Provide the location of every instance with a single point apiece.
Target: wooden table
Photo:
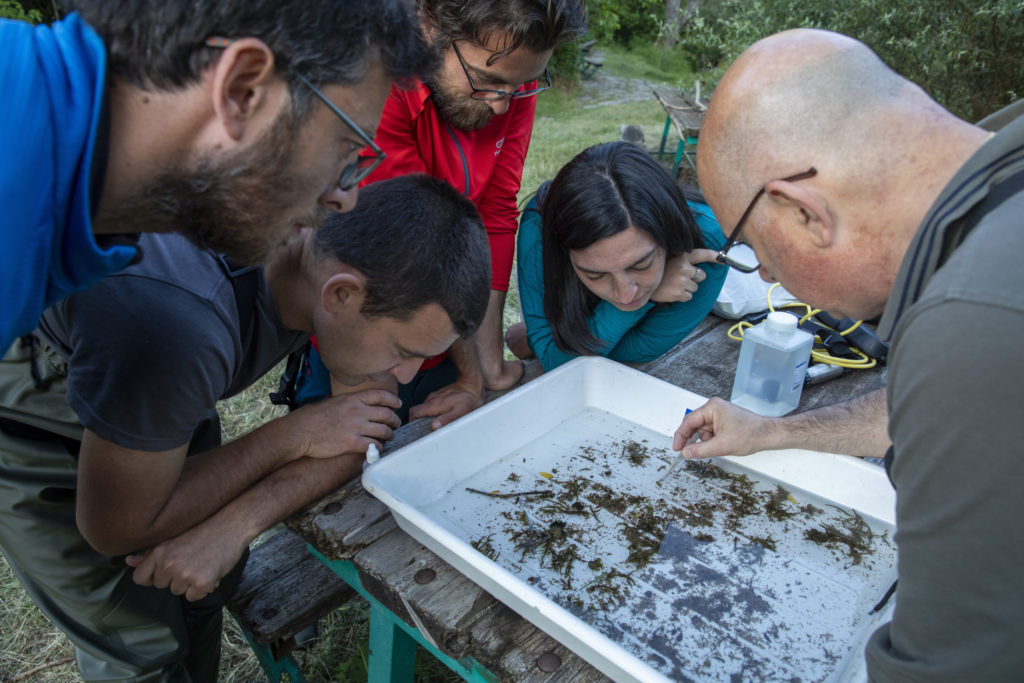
(686, 113)
(418, 598)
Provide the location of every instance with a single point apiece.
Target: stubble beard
(242, 206)
(460, 111)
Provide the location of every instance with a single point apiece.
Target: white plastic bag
(746, 293)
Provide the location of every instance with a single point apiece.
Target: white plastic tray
(712, 573)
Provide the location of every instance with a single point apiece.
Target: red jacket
(486, 164)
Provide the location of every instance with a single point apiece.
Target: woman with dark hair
(608, 256)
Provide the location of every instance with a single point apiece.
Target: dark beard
(242, 206)
(460, 111)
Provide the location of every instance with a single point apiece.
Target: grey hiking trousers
(121, 631)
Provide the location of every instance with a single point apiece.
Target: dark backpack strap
(285, 394)
(245, 281)
(1000, 192)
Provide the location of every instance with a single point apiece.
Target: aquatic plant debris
(716, 557)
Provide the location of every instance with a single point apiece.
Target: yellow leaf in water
(547, 475)
(792, 499)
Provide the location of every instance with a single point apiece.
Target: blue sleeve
(608, 323)
(668, 324)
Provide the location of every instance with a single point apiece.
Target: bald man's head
(797, 99)
(882, 148)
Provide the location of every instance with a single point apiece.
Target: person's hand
(725, 429)
(191, 564)
(345, 424)
(682, 276)
(517, 342)
(448, 404)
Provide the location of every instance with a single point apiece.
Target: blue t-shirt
(53, 80)
(630, 336)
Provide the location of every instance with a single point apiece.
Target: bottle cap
(780, 322)
(372, 454)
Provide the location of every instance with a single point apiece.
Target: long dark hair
(604, 190)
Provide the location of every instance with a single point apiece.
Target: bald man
(864, 197)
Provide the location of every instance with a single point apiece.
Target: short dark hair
(537, 25)
(604, 190)
(160, 43)
(417, 241)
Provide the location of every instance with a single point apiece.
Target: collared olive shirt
(956, 419)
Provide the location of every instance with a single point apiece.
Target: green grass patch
(650, 63)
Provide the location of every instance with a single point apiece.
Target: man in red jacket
(470, 125)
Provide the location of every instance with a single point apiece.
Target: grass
(568, 120)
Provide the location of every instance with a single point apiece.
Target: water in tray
(709, 574)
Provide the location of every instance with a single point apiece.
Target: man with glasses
(864, 198)
(126, 118)
(470, 124)
(88, 479)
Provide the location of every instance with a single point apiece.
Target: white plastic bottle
(772, 366)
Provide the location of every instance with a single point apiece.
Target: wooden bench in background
(590, 62)
(686, 113)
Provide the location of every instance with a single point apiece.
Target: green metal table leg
(690, 152)
(274, 669)
(664, 137)
(391, 639)
(392, 650)
(680, 148)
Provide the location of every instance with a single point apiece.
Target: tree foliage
(626, 21)
(968, 54)
(12, 9)
(566, 62)
(32, 11)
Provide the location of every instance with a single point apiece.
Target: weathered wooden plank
(342, 523)
(687, 115)
(284, 589)
(458, 616)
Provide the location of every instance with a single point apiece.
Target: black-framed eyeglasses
(354, 172)
(363, 166)
(485, 94)
(749, 264)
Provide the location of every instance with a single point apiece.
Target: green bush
(968, 55)
(12, 9)
(625, 21)
(565, 63)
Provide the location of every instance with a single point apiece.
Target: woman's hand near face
(682, 276)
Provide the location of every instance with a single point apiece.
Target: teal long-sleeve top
(630, 336)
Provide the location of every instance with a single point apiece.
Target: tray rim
(608, 656)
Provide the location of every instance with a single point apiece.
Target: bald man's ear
(809, 208)
(343, 293)
(245, 87)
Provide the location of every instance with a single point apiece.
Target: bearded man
(470, 124)
(222, 121)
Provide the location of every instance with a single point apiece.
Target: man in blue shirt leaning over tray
(204, 118)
